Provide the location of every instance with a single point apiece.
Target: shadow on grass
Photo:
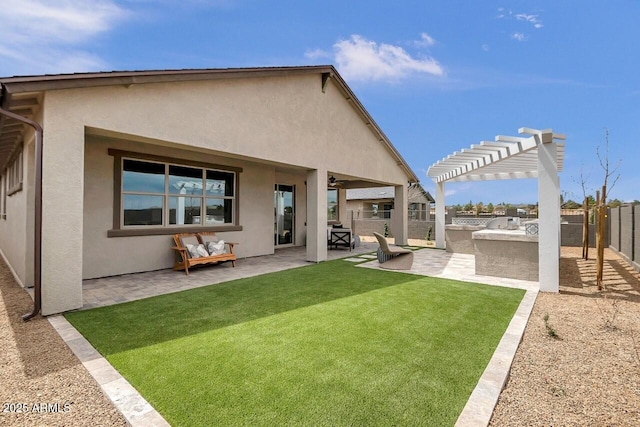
(141, 323)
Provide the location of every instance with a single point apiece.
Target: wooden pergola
(535, 154)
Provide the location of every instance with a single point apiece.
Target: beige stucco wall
(282, 119)
(265, 124)
(14, 242)
(107, 256)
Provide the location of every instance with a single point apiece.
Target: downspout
(37, 283)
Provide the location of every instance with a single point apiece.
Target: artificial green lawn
(326, 344)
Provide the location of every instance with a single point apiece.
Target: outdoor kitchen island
(506, 253)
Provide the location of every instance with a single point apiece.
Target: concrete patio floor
(130, 287)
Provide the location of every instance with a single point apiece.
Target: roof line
(107, 78)
(18, 84)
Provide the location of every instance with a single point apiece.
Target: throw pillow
(201, 250)
(216, 248)
(193, 251)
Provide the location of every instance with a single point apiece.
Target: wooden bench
(183, 259)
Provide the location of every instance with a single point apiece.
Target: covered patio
(130, 287)
(537, 155)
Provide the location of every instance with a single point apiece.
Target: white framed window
(157, 195)
(3, 196)
(13, 174)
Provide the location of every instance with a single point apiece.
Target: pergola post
(510, 157)
(548, 214)
(440, 215)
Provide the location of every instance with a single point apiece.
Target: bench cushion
(196, 251)
(216, 248)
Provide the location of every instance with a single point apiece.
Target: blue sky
(437, 76)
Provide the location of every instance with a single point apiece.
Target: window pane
(142, 210)
(142, 177)
(184, 210)
(219, 183)
(219, 211)
(332, 204)
(183, 180)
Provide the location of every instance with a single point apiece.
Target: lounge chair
(393, 257)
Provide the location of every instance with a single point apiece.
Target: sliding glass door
(284, 208)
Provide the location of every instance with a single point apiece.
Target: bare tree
(585, 213)
(601, 207)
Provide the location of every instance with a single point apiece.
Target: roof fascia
(74, 81)
(13, 85)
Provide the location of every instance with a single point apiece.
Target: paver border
(483, 399)
(136, 410)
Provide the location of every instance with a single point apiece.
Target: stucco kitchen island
(506, 253)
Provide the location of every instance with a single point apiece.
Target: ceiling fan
(333, 182)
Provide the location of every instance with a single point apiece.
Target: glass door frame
(279, 223)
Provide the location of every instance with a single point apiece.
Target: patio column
(548, 214)
(401, 211)
(62, 213)
(342, 208)
(316, 215)
(440, 215)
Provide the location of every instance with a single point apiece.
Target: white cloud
(533, 19)
(519, 36)
(425, 41)
(47, 35)
(366, 60)
(317, 53)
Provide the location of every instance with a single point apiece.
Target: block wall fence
(624, 232)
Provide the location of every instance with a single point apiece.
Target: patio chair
(338, 236)
(393, 257)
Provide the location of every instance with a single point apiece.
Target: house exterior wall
(277, 119)
(17, 249)
(263, 124)
(62, 202)
(106, 256)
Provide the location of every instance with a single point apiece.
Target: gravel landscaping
(41, 377)
(589, 374)
(580, 366)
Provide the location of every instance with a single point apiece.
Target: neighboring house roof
(416, 194)
(23, 96)
(372, 193)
